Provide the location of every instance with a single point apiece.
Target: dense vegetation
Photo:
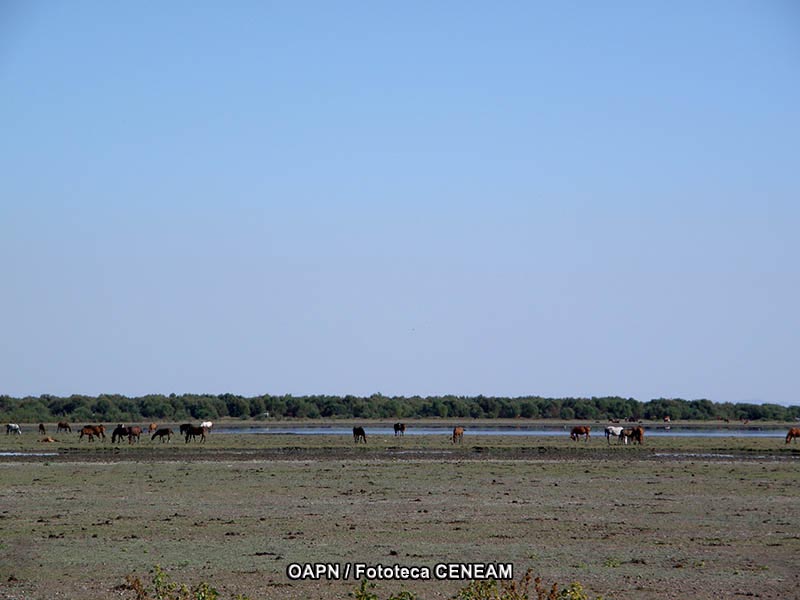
(112, 407)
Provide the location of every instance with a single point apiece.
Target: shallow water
(28, 453)
(495, 431)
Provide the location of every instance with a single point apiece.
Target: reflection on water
(498, 430)
(28, 453)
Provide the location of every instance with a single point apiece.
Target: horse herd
(133, 433)
(359, 435)
(192, 432)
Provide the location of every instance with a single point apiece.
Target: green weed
(162, 588)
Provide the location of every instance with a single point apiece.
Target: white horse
(206, 424)
(13, 428)
(616, 432)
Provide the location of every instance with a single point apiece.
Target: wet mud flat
(702, 520)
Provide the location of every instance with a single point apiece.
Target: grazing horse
(63, 426)
(359, 435)
(120, 431)
(615, 431)
(625, 436)
(207, 425)
(794, 433)
(635, 435)
(93, 430)
(13, 428)
(134, 432)
(399, 429)
(458, 435)
(184, 429)
(152, 428)
(162, 433)
(42, 430)
(580, 430)
(192, 432)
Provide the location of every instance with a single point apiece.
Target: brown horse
(192, 432)
(63, 426)
(359, 435)
(162, 433)
(399, 429)
(48, 440)
(134, 432)
(794, 433)
(637, 434)
(458, 435)
(42, 430)
(580, 430)
(152, 428)
(93, 430)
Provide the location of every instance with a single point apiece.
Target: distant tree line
(117, 408)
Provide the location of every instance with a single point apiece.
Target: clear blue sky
(564, 199)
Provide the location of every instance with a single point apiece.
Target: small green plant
(520, 590)
(403, 595)
(162, 588)
(364, 591)
(573, 592)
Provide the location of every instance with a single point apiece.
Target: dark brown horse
(580, 430)
(93, 430)
(399, 429)
(794, 433)
(458, 435)
(63, 426)
(192, 432)
(42, 430)
(359, 435)
(162, 433)
(120, 431)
